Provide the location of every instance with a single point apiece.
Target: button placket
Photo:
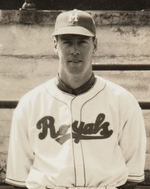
(77, 147)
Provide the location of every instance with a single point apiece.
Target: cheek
(88, 53)
(62, 54)
(63, 50)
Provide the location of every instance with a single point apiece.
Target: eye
(68, 42)
(83, 41)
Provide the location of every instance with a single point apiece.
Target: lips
(74, 61)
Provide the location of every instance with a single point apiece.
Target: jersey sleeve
(132, 139)
(20, 154)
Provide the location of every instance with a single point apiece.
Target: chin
(76, 71)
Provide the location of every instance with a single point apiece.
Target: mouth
(74, 61)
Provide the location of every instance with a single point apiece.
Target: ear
(95, 44)
(55, 45)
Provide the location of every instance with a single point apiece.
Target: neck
(75, 81)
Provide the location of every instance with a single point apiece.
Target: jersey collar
(83, 88)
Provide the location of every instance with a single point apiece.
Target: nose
(75, 49)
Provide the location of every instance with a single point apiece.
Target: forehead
(72, 37)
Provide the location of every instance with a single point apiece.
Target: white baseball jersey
(92, 140)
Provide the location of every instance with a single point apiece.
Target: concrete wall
(35, 40)
(119, 33)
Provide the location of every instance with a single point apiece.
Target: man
(76, 130)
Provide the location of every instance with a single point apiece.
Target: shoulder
(113, 87)
(35, 94)
(117, 92)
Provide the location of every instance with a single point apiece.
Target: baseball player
(77, 130)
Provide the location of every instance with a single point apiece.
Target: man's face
(75, 53)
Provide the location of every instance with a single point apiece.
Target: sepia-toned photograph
(75, 94)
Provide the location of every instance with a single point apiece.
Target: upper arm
(20, 154)
(132, 140)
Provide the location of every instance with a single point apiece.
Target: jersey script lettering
(80, 130)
